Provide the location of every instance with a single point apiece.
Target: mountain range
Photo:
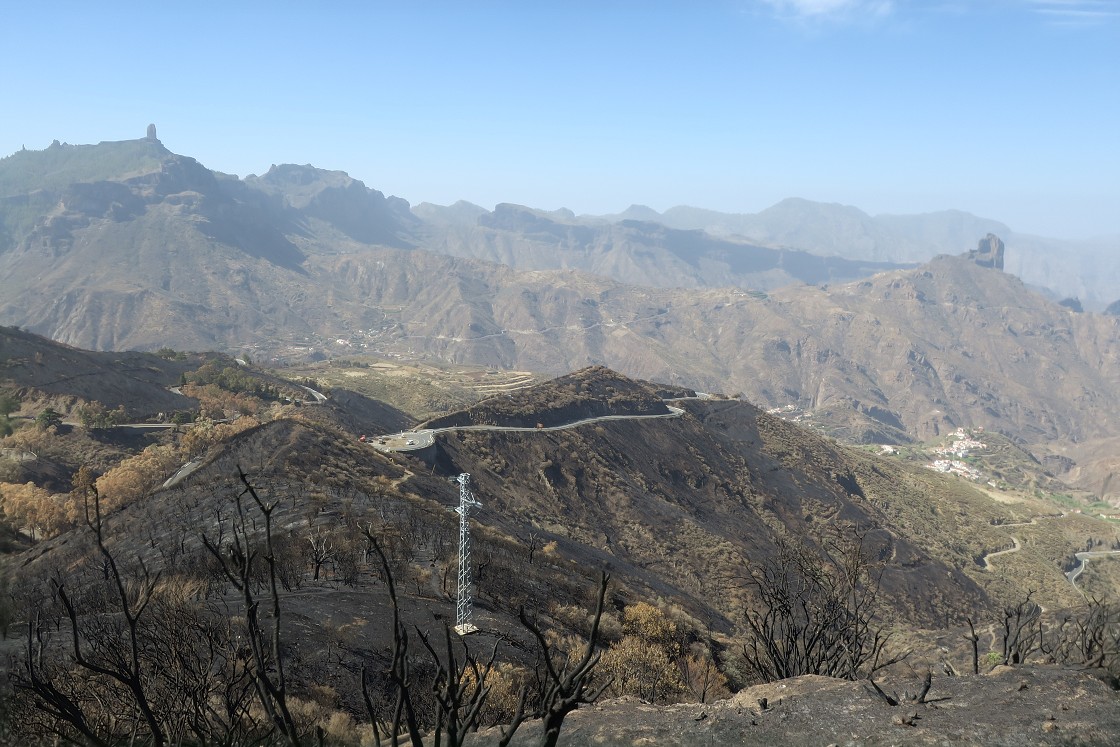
(1086, 268)
(726, 417)
(126, 245)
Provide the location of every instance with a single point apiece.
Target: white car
(411, 442)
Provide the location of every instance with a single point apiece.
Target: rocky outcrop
(1021, 705)
(989, 252)
(1073, 304)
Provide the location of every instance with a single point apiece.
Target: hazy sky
(1009, 109)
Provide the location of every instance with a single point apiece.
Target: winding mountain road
(416, 440)
(1083, 558)
(422, 439)
(1083, 561)
(1014, 539)
(1017, 546)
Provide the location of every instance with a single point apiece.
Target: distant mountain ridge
(630, 251)
(827, 242)
(363, 214)
(833, 229)
(1086, 269)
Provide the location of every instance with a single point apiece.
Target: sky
(1008, 109)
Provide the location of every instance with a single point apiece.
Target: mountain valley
(708, 419)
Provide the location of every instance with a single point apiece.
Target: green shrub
(48, 418)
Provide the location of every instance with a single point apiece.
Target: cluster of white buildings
(782, 410)
(963, 442)
(956, 467)
(792, 413)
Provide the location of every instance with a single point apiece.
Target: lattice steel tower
(464, 605)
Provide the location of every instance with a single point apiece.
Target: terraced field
(419, 389)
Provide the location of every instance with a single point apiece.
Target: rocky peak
(640, 213)
(361, 213)
(544, 225)
(988, 252)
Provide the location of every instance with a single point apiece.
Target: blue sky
(1009, 109)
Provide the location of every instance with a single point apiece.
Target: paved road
(1083, 560)
(147, 426)
(320, 398)
(1016, 548)
(182, 472)
(422, 439)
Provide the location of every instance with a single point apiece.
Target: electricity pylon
(464, 603)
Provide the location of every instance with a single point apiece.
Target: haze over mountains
(687, 247)
(841, 322)
(1087, 269)
(127, 245)
(629, 251)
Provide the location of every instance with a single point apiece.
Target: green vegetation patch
(232, 379)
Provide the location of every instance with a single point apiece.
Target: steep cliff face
(361, 213)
